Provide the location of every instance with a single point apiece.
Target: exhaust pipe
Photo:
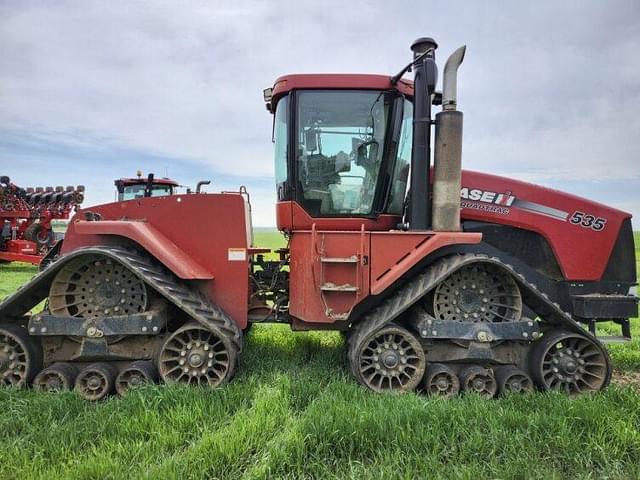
(447, 177)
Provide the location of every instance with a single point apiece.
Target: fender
(152, 240)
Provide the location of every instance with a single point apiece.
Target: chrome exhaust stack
(447, 177)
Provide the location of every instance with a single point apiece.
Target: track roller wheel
(512, 380)
(441, 380)
(477, 379)
(136, 375)
(569, 362)
(20, 357)
(56, 378)
(96, 381)
(196, 355)
(389, 360)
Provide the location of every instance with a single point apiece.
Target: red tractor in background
(26, 234)
(139, 187)
(442, 280)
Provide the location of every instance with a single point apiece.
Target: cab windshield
(132, 192)
(340, 143)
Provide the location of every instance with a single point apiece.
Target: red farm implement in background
(26, 215)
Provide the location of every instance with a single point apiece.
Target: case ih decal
(486, 196)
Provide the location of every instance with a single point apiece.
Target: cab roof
(328, 81)
(143, 181)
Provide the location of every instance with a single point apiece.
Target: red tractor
(139, 187)
(26, 234)
(497, 291)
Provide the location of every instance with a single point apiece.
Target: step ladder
(330, 289)
(625, 327)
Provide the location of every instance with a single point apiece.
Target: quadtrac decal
(486, 200)
(501, 204)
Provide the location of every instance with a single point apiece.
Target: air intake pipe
(425, 75)
(447, 177)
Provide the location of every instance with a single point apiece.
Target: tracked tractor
(442, 280)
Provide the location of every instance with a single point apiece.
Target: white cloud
(550, 90)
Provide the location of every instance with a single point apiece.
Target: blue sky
(91, 91)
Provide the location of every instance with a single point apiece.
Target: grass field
(293, 411)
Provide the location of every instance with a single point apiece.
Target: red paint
(582, 253)
(203, 226)
(382, 258)
(290, 216)
(331, 81)
(21, 251)
(152, 240)
(394, 253)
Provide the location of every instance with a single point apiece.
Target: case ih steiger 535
(498, 293)
(26, 234)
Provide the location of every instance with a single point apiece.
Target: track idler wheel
(20, 357)
(569, 362)
(389, 360)
(477, 379)
(56, 378)
(512, 380)
(440, 380)
(195, 355)
(137, 374)
(96, 381)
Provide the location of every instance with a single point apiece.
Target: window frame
(383, 182)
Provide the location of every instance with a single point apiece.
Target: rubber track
(191, 302)
(410, 293)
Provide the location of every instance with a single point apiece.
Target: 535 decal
(588, 221)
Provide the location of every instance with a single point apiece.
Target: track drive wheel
(478, 293)
(512, 380)
(136, 375)
(93, 286)
(96, 381)
(195, 355)
(56, 378)
(20, 356)
(569, 362)
(477, 379)
(389, 360)
(440, 380)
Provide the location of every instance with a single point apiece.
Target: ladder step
(351, 259)
(332, 287)
(613, 339)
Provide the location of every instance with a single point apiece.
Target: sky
(91, 91)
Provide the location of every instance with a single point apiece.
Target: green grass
(293, 411)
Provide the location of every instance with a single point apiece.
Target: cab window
(340, 143)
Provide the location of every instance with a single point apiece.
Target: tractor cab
(342, 145)
(140, 187)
